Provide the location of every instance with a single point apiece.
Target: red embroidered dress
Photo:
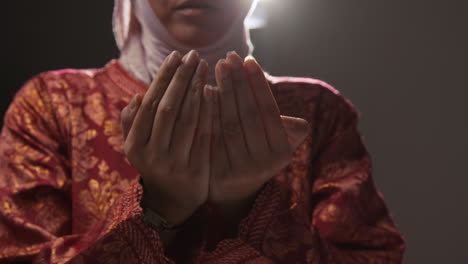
(67, 191)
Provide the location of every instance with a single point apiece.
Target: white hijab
(144, 42)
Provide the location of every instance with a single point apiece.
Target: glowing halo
(258, 18)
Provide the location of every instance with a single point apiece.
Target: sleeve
(349, 217)
(36, 214)
(246, 247)
(347, 220)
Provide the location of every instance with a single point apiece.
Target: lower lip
(194, 11)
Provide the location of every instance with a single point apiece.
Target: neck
(147, 48)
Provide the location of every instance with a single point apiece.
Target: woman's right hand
(167, 137)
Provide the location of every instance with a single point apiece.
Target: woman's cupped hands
(192, 142)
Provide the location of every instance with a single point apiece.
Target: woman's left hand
(250, 143)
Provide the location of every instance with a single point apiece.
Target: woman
(199, 167)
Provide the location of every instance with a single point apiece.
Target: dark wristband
(156, 221)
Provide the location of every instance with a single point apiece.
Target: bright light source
(259, 17)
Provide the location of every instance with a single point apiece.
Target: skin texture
(165, 139)
(199, 30)
(193, 143)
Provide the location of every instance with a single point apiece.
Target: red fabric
(67, 192)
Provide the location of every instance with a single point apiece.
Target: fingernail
(202, 67)
(190, 57)
(221, 67)
(208, 93)
(251, 65)
(225, 71)
(250, 57)
(174, 58)
(221, 61)
(184, 59)
(134, 102)
(236, 61)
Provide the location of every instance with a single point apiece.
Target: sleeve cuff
(132, 225)
(233, 251)
(251, 230)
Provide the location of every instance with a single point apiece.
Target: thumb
(128, 114)
(297, 129)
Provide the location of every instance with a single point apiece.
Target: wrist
(171, 214)
(160, 224)
(231, 215)
(236, 210)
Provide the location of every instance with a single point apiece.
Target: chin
(195, 36)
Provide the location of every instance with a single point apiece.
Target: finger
(200, 151)
(230, 123)
(169, 107)
(219, 159)
(128, 114)
(276, 135)
(297, 130)
(141, 130)
(187, 121)
(252, 125)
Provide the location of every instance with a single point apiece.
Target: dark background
(403, 63)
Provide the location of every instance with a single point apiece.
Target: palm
(252, 141)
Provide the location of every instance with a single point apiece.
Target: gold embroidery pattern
(101, 194)
(62, 138)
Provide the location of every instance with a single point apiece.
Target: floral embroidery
(67, 192)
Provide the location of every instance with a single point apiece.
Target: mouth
(195, 7)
